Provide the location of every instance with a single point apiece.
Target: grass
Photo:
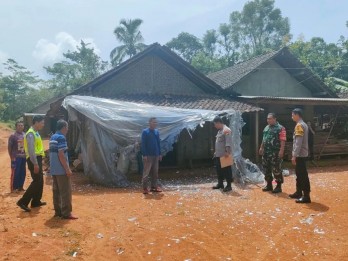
(9, 125)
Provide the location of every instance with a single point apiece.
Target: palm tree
(131, 38)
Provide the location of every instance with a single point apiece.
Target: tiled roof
(189, 102)
(231, 75)
(228, 77)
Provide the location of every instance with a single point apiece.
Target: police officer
(272, 151)
(34, 151)
(223, 148)
(299, 156)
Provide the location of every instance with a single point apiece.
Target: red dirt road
(187, 222)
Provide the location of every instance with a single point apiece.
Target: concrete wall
(150, 75)
(273, 81)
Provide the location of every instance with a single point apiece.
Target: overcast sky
(37, 32)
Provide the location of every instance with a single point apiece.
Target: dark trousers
(62, 195)
(302, 179)
(18, 172)
(34, 191)
(223, 173)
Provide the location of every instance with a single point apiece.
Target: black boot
(220, 185)
(268, 187)
(228, 187)
(278, 188)
(297, 194)
(305, 198)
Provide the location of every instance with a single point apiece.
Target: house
(157, 76)
(278, 82)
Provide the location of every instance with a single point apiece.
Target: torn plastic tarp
(109, 129)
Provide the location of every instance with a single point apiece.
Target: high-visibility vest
(39, 149)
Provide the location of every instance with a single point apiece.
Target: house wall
(150, 75)
(273, 81)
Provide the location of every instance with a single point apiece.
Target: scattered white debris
(319, 231)
(308, 221)
(100, 235)
(149, 253)
(132, 219)
(177, 240)
(120, 251)
(34, 234)
(278, 210)
(296, 228)
(74, 254)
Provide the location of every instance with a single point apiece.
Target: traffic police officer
(272, 151)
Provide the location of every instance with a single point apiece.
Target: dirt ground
(189, 221)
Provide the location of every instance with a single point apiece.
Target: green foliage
(15, 85)
(131, 39)
(80, 67)
(206, 63)
(186, 45)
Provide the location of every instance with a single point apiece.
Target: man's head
(62, 127)
(38, 122)
(297, 114)
(271, 118)
(153, 123)
(218, 123)
(19, 126)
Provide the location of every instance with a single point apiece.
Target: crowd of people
(27, 148)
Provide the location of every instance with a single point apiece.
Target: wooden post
(328, 136)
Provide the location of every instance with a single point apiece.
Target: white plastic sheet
(109, 128)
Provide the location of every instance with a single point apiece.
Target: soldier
(272, 151)
(299, 156)
(223, 148)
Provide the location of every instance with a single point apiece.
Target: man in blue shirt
(151, 150)
(61, 172)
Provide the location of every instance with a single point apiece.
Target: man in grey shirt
(299, 156)
(223, 148)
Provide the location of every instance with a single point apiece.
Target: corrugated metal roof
(319, 101)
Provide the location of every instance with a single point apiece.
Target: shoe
(57, 215)
(268, 187)
(219, 186)
(156, 189)
(70, 217)
(227, 189)
(21, 189)
(24, 207)
(304, 199)
(146, 191)
(38, 205)
(297, 194)
(277, 189)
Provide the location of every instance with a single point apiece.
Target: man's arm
(143, 145)
(64, 162)
(10, 145)
(159, 145)
(282, 138)
(299, 133)
(31, 148)
(228, 143)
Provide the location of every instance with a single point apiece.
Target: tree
(129, 35)
(210, 40)
(15, 85)
(186, 45)
(80, 67)
(229, 42)
(206, 63)
(261, 27)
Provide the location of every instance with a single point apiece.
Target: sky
(37, 32)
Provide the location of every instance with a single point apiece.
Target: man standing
(17, 156)
(223, 148)
(34, 152)
(151, 151)
(299, 155)
(61, 172)
(272, 151)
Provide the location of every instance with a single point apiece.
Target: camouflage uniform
(272, 137)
